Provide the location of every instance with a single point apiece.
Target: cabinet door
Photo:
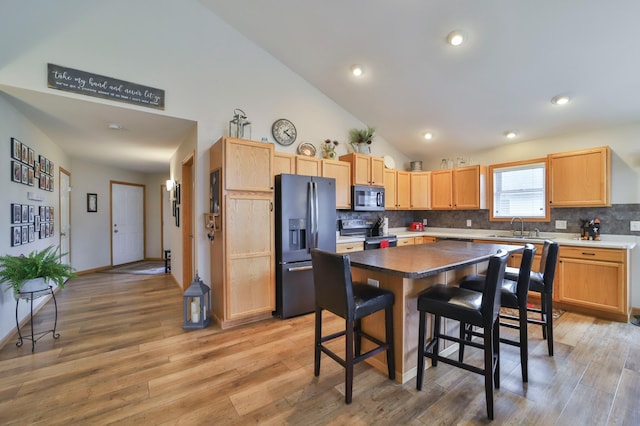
(580, 178)
(349, 247)
(466, 188)
(390, 185)
(308, 166)
(283, 163)
(249, 237)
(420, 186)
(409, 241)
(593, 284)
(361, 169)
(403, 193)
(341, 172)
(377, 171)
(442, 189)
(248, 165)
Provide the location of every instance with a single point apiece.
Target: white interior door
(127, 223)
(65, 219)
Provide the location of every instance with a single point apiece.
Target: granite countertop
(423, 260)
(627, 242)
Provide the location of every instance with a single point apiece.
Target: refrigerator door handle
(310, 209)
(316, 213)
(300, 268)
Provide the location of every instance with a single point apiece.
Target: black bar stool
(336, 293)
(513, 294)
(542, 282)
(469, 307)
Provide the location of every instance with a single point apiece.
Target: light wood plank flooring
(124, 358)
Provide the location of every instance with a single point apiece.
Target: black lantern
(239, 127)
(197, 305)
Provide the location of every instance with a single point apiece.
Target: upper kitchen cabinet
(284, 163)
(420, 190)
(248, 165)
(365, 169)
(580, 178)
(462, 188)
(308, 166)
(396, 189)
(341, 172)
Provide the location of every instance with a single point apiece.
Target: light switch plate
(561, 224)
(468, 222)
(635, 225)
(373, 282)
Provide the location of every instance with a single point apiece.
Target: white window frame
(542, 211)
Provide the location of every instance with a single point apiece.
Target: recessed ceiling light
(357, 70)
(455, 38)
(114, 126)
(511, 134)
(428, 136)
(560, 100)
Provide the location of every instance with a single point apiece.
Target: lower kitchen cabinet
(594, 279)
(349, 247)
(406, 241)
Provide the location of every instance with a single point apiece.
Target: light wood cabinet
(406, 241)
(365, 169)
(594, 279)
(397, 189)
(349, 247)
(284, 163)
(462, 188)
(247, 165)
(420, 190)
(580, 178)
(242, 256)
(308, 166)
(341, 172)
(423, 239)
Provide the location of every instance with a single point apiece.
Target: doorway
(127, 222)
(64, 177)
(188, 239)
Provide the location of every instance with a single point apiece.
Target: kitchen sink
(516, 237)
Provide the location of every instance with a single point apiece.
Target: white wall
(13, 124)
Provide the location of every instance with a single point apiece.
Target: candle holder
(239, 127)
(197, 305)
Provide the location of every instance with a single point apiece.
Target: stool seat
(508, 289)
(369, 299)
(536, 279)
(458, 302)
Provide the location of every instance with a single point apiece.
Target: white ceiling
(518, 55)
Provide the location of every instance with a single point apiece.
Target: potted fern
(360, 139)
(34, 272)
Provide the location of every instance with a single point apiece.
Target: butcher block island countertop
(407, 271)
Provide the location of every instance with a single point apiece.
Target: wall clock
(284, 132)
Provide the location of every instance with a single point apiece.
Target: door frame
(144, 216)
(186, 209)
(63, 171)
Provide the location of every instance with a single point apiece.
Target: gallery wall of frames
(29, 221)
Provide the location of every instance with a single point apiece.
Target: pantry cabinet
(461, 188)
(365, 169)
(580, 178)
(242, 256)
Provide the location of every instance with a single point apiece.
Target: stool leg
(524, 343)
(358, 337)
(543, 317)
(488, 368)
(317, 343)
(348, 367)
(464, 335)
(421, 343)
(391, 358)
(549, 321)
(435, 351)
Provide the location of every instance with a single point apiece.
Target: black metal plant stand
(30, 296)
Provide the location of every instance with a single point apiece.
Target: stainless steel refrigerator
(305, 219)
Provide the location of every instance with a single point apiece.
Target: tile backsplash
(614, 219)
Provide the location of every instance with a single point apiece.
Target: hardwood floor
(124, 358)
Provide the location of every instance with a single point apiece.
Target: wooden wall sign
(99, 86)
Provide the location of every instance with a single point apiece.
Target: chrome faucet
(513, 219)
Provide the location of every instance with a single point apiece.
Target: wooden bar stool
(336, 293)
(513, 294)
(469, 307)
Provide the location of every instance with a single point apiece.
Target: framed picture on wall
(25, 213)
(25, 174)
(177, 193)
(92, 203)
(16, 176)
(16, 213)
(177, 216)
(25, 154)
(16, 236)
(16, 149)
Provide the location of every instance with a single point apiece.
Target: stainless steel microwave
(367, 198)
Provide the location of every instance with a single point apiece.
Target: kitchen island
(407, 271)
